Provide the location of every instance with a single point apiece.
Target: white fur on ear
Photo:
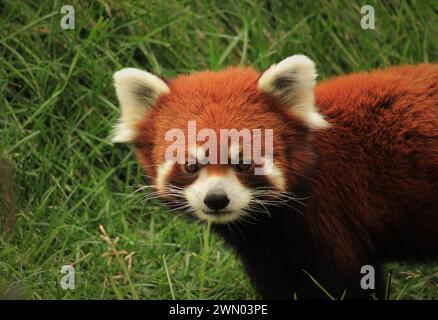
(293, 81)
(137, 92)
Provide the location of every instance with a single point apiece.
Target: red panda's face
(221, 145)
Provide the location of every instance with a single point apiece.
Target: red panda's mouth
(217, 212)
(217, 217)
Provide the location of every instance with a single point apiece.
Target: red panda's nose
(216, 199)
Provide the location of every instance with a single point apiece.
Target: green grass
(57, 105)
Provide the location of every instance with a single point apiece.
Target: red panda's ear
(137, 92)
(293, 81)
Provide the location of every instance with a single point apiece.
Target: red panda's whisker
(264, 207)
(180, 208)
(173, 186)
(248, 217)
(149, 177)
(140, 189)
(151, 166)
(255, 206)
(145, 199)
(276, 203)
(274, 190)
(281, 197)
(249, 214)
(149, 198)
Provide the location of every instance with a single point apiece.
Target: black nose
(216, 200)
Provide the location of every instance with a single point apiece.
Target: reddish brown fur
(372, 176)
(379, 161)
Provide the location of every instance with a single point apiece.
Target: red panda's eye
(191, 167)
(243, 167)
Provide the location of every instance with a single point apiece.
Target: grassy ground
(57, 105)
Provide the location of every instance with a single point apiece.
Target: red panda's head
(219, 181)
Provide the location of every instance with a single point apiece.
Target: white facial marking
(162, 173)
(273, 173)
(238, 194)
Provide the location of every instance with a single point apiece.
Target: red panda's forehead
(228, 99)
(217, 84)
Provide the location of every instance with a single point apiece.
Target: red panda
(353, 179)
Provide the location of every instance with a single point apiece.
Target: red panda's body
(382, 149)
(367, 183)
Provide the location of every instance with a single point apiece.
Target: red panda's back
(390, 114)
(404, 91)
(382, 148)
